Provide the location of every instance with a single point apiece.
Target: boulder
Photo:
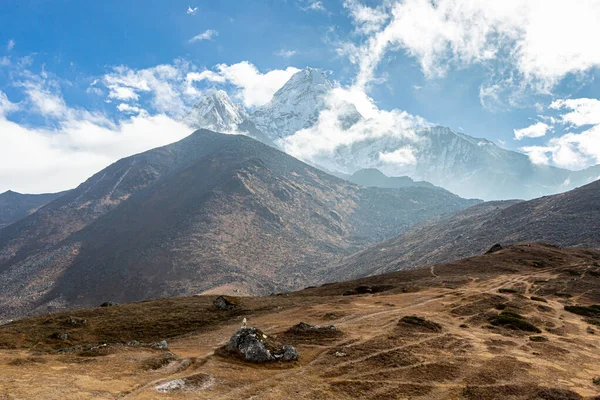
(494, 249)
(252, 345)
(161, 345)
(226, 302)
(75, 322)
(59, 336)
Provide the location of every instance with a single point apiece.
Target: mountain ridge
(211, 210)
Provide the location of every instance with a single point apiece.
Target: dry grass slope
(428, 335)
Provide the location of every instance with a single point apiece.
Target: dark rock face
(226, 302)
(252, 345)
(494, 249)
(109, 304)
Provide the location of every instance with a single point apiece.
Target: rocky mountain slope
(468, 166)
(521, 324)
(567, 219)
(15, 206)
(211, 211)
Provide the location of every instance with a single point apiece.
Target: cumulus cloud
(583, 111)
(77, 143)
(208, 34)
(519, 34)
(171, 87)
(10, 45)
(401, 156)
(163, 84)
(573, 150)
(332, 133)
(35, 160)
(536, 130)
(191, 11)
(253, 87)
(129, 109)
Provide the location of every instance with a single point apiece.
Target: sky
(85, 83)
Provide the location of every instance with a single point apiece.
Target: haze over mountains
(468, 166)
(212, 211)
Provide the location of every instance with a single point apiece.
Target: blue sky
(81, 83)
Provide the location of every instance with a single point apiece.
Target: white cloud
(536, 130)
(129, 109)
(191, 11)
(208, 34)
(285, 53)
(366, 19)
(44, 96)
(4, 61)
(122, 93)
(78, 142)
(171, 86)
(164, 84)
(320, 142)
(584, 111)
(538, 154)
(94, 90)
(313, 5)
(401, 157)
(522, 35)
(254, 87)
(572, 150)
(10, 45)
(35, 160)
(206, 75)
(6, 106)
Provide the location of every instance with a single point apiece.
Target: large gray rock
(226, 302)
(253, 345)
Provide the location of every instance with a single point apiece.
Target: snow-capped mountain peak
(216, 111)
(295, 106)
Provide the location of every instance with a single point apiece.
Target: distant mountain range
(15, 206)
(372, 177)
(567, 219)
(468, 166)
(213, 211)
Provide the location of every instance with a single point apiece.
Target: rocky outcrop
(252, 345)
(226, 302)
(494, 249)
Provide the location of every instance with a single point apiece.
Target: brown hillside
(211, 211)
(567, 219)
(496, 326)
